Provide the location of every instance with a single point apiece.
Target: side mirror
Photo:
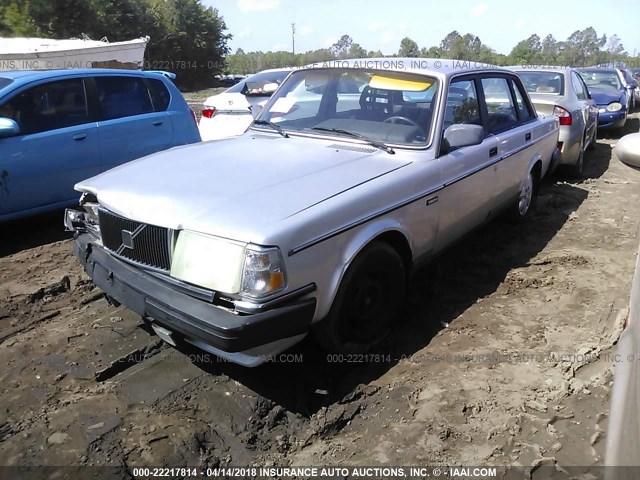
(8, 127)
(461, 135)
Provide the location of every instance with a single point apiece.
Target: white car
(228, 114)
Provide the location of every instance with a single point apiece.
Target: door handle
(79, 136)
(157, 123)
(527, 137)
(493, 152)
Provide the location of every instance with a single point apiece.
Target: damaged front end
(84, 221)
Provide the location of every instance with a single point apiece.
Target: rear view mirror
(461, 135)
(8, 127)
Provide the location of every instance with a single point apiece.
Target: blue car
(58, 127)
(610, 96)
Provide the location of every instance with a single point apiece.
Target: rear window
(254, 85)
(159, 95)
(543, 82)
(123, 97)
(5, 81)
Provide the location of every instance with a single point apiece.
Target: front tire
(368, 302)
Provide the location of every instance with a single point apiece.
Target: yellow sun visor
(398, 82)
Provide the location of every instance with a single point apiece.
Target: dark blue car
(58, 127)
(610, 96)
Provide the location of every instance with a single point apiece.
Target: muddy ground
(502, 359)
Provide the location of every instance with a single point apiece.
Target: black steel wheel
(368, 303)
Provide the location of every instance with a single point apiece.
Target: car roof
(424, 66)
(534, 69)
(32, 75)
(597, 69)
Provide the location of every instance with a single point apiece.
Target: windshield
(255, 84)
(543, 82)
(601, 79)
(389, 107)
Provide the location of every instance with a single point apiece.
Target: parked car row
(324, 189)
(348, 179)
(58, 127)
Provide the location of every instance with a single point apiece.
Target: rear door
(57, 146)
(129, 126)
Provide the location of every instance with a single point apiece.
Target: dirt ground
(504, 357)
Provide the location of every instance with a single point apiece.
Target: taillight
(208, 112)
(563, 115)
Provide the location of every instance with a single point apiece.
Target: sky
(381, 25)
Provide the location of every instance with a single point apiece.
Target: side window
(462, 104)
(48, 107)
(159, 95)
(123, 97)
(524, 112)
(578, 87)
(501, 111)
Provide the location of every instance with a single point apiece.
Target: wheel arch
(389, 232)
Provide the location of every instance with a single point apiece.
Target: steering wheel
(397, 119)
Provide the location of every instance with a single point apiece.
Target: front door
(57, 147)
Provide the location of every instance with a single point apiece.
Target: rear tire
(577, 170)
(522, 208)
(368, 303)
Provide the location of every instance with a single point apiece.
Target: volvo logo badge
(128, 238)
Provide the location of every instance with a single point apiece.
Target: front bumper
(197, 321)
(612, 119)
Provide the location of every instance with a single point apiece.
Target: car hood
(238, 188)
(605, 97)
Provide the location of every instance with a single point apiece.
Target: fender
(363, 237)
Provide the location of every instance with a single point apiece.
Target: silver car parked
(315, 217)
(562, 92)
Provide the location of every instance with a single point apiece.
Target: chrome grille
(136, 241)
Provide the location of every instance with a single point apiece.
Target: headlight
(208, 261)
(228, 267)
(263, 272)
(614, 106)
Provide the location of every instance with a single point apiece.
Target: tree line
(582, 48)
(186, 36)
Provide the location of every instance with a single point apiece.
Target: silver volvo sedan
(354, 173)
(562, 92)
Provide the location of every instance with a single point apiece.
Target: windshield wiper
(275, 126)
(373, 143)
